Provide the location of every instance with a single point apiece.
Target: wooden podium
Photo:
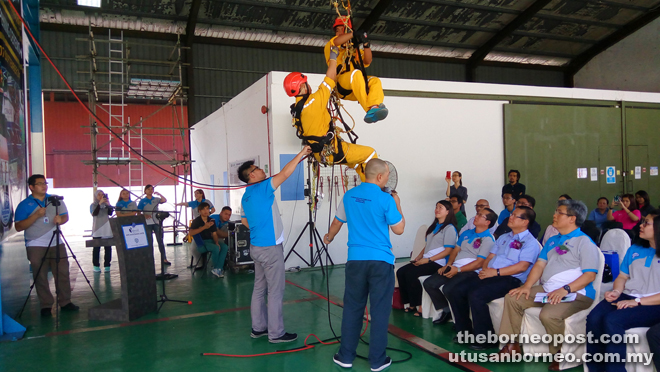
(137, 272)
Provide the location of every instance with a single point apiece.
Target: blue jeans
(218, 254)
(606, 319)
(375, 280)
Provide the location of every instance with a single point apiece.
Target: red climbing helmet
(343, 21)
(292, 83)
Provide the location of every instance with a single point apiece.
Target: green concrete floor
(218, 321)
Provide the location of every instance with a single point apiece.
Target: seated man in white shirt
(567, 264)
(481, 204)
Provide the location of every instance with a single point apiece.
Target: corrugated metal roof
(561, 31)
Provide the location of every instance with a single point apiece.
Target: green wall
(548, 143)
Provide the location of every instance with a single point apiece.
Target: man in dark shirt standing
(514, 187)
(205, 227)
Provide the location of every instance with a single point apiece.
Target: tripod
(57, 234)
(315, 239)
(163, 276)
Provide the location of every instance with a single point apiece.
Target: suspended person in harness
(351, 82)
(315, 126)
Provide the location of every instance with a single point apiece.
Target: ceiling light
(93, 3)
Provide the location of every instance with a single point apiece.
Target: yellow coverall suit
(350, 78)
(315, 120)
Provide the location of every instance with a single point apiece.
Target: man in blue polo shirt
(37, 217)
(262, 217)
(370, 214)
(567, 264)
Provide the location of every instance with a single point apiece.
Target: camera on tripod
(55, 200)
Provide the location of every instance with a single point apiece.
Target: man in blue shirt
(370, 214)
(599, 215)
(262, 217)
(567, 264)
(505, 268)
(37, 216)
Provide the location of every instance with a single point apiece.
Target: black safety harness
(321, 141)
(357, 64)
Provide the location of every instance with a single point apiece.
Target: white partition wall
(422, 137)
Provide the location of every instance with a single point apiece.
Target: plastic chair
(418, 246)
(642, 348)
(575, 324)
(616, 240)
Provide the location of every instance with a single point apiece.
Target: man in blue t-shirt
(262, 217)
(370, 213)
(37, 216)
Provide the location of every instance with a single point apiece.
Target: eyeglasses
(255, 168)
(481, 205)
(557, 211)
(647, 223)
(507, 198)
(481, 215)
(41, 184)
(519, 217)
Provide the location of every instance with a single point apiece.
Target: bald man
(370, 214)
(481, 204)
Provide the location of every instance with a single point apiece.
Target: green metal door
(608, 156)
(550, 144)
(643, 145)
(637, 176)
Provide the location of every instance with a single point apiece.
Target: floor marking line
(149, 321)
(408, 337)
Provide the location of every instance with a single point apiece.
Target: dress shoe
(46, 311)
(554, 366)
(511, 348)
(444, 318)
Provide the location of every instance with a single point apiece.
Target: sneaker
(218, 272)
(377, 113)
(46, 311)
(70, 307)
(97, 269)
(388, 362)
(257, 334)
(335, 358)
(286, 337)
(106, 269)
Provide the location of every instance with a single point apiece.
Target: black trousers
(653, 337)
(473, 294)
(432, 287)
(107, 257)
(409, 286)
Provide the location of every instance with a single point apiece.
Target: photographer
(101, 211)
(148, 205)
(36, 215)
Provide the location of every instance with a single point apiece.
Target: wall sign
(594, 174)
(611, 177)
(582, 173)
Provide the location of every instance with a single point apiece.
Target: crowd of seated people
(506, 257)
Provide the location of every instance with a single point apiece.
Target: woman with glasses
(629, 213)
(440, 239)
(633, 302)
(457, 188)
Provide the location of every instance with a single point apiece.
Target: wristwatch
(498, 272)
(567, 288)
(459, 269)
(638, 300)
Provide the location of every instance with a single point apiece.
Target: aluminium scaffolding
(122, 143)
